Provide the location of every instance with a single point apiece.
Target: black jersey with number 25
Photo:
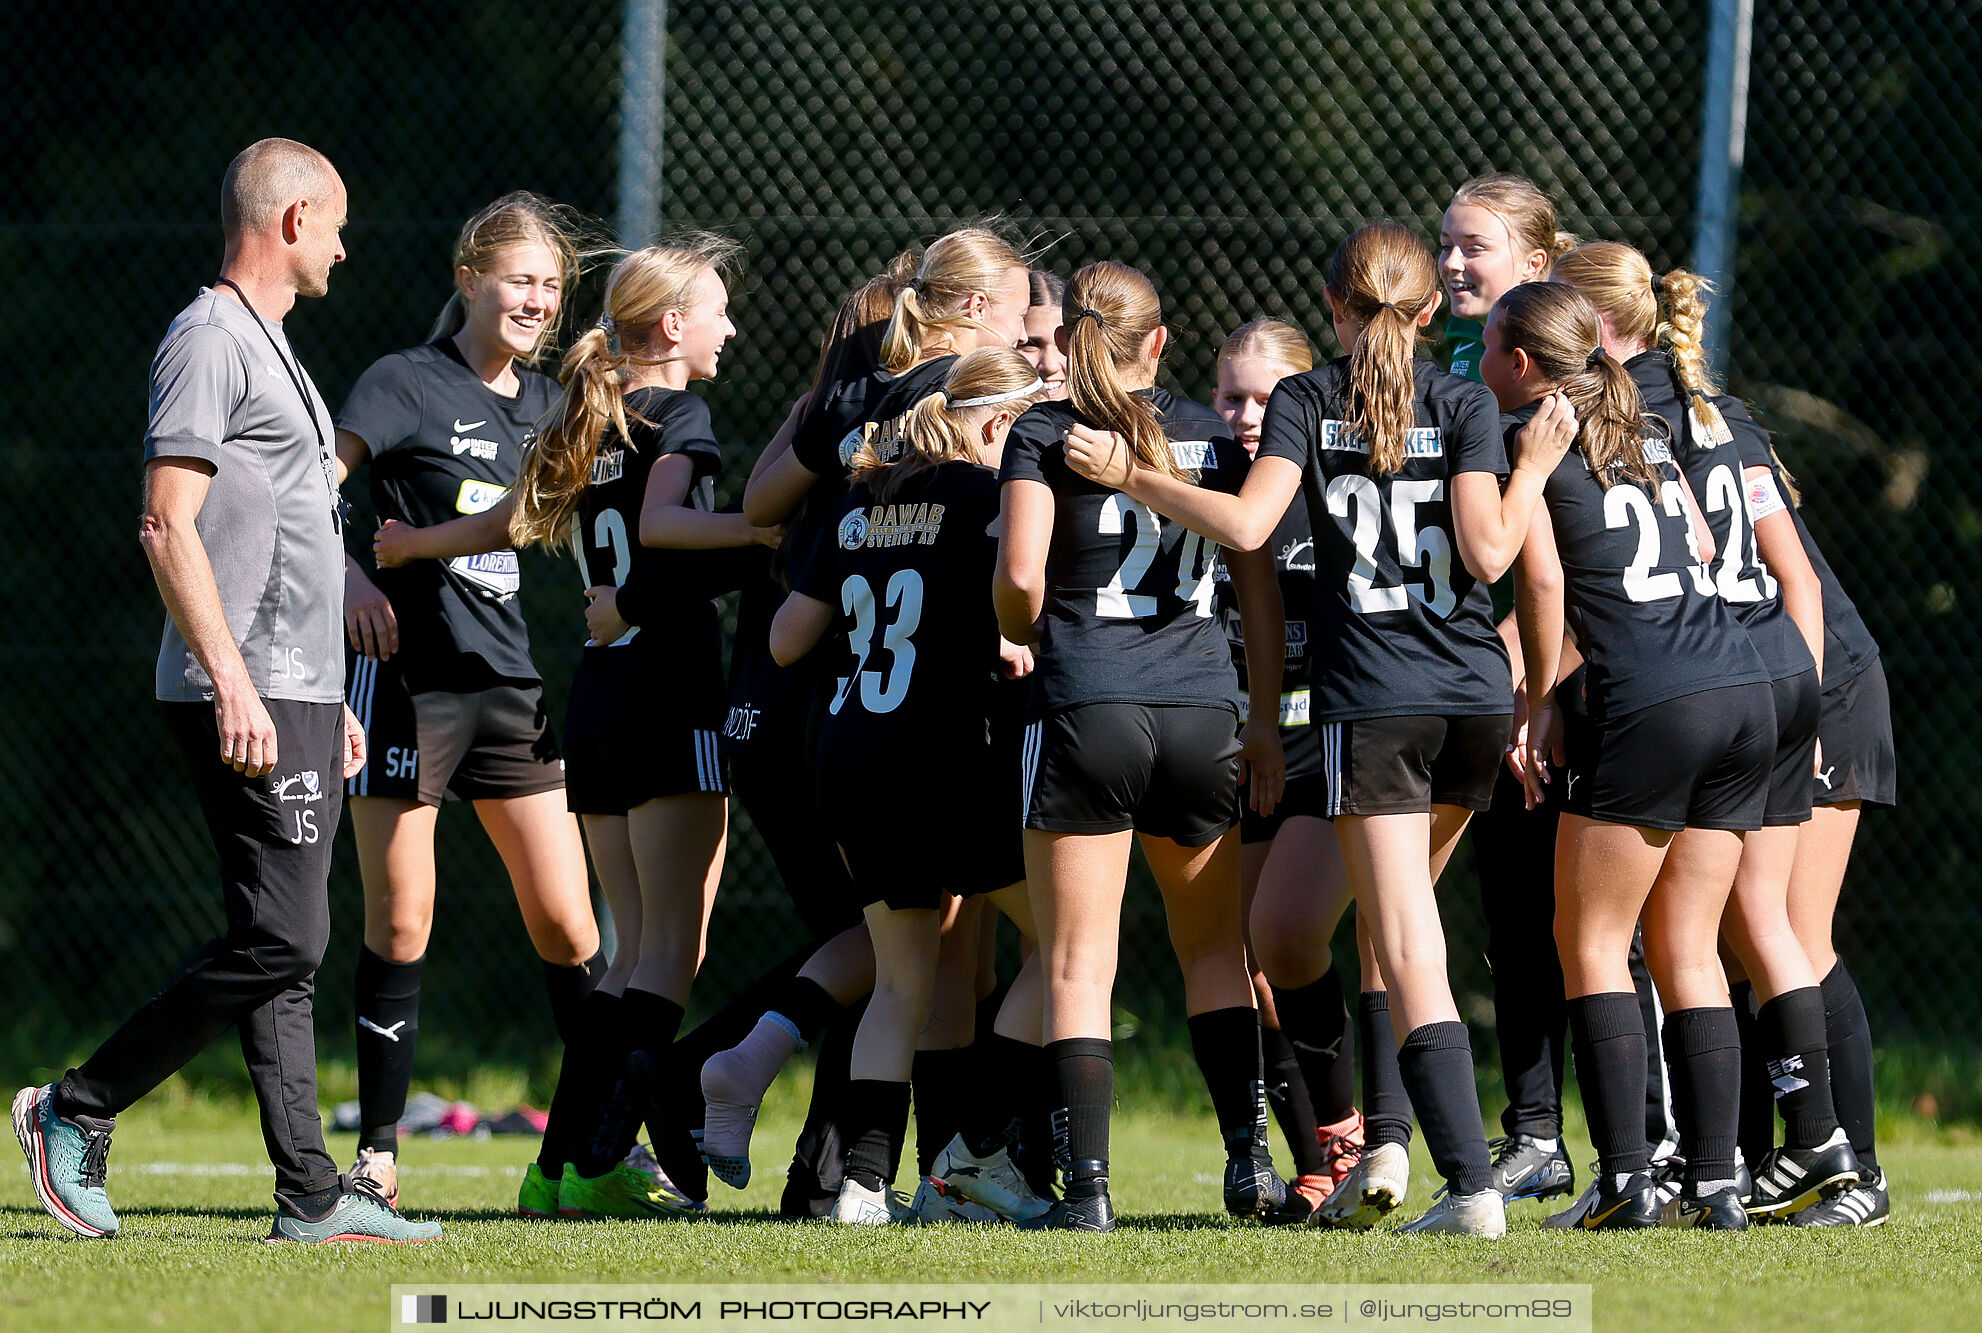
(1640, 601)
(1405, 629)
(1129, 595)
(913, 661)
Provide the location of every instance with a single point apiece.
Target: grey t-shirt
(219, 393)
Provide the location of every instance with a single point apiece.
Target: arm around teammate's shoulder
(1490, 525)
(1239, 522)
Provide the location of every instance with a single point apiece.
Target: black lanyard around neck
(337, 506)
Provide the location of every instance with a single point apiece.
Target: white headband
(1027, 392)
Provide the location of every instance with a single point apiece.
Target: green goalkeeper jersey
(1465, 340)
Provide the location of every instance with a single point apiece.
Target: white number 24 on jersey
(1197, 563)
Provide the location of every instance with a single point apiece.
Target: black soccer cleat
(1632, 1205)
(1791, 1179)
(1523, 1168)
(1254, 1189)
(1720, 1210)
(1744, 1181)
(1866, 1204)
(1094, 1213)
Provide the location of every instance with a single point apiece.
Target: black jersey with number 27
(1129, 595)
(1406, 630)
(1640, 601)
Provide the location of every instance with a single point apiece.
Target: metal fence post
(642, 119)
(1723, 136)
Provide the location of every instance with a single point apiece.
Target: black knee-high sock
(1386, 1106)
(1226, 1044)
(808, 1006)
(1287, 1095)
(1757, 1131)
(388, 996)
(567, 985)
(651, 1023)
(1849, 1034)
(1703, 1048)
(1793, 1041)
(1658, 1116)
(942, 1083)
(584, 1082)
(1039, 1096)
(1607, 1036)
(875, 1122)
(1084, 1068)
(1436, 1065)
(1316, 1020)
(618, 1127)
(816, 1170)
(999, 1068)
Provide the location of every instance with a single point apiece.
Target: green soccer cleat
(360, 1214)
(624, 1191)
(67, 1161)
(538, 1197)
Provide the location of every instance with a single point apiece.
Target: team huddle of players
(1009, 607)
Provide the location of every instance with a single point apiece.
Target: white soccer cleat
(858, 1206)
(932, 1207)
(1483, 1214)
(992, 1182)
(1375, 1188)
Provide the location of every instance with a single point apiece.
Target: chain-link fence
(1223, 146)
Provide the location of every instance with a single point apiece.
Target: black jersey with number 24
(1640, 601)
(1405, 629)
(1129, 595)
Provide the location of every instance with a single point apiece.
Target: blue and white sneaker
(360, 1214)
(67, 1162)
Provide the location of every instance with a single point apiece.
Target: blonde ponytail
(1109, 311)
(1683, 330)
(945, 426)
(557, 467)
(1669, 313)
(929, 307)
(1383, 277)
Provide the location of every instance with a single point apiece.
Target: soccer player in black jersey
(1671, 771)
(1133, 729)
(439, 672)
(1857, 770)
(1292, 888)
(898, 575)
(1656, 328)
(970, 289)
(624, 472)
(1406, 462)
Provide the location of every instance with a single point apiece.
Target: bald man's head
(266, 178)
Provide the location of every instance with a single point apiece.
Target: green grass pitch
(191, 1184)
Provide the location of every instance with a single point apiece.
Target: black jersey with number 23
(1129, 595)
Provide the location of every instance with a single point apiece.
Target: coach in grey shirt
(242, 529)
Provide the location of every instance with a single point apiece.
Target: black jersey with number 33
(1129, 595)
(1406, 630)
(1638, 598)
(913, 661)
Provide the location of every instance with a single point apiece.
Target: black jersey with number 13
(1129, 595)
(1406, 630)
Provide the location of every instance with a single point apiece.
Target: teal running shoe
(360, 1213)
(67, 1161)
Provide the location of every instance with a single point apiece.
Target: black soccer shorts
(1855, 727)
(1699, 761)
(432, 745)
(1406, 765)
(1166, 770)
(1798, 703)
(633, 735)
